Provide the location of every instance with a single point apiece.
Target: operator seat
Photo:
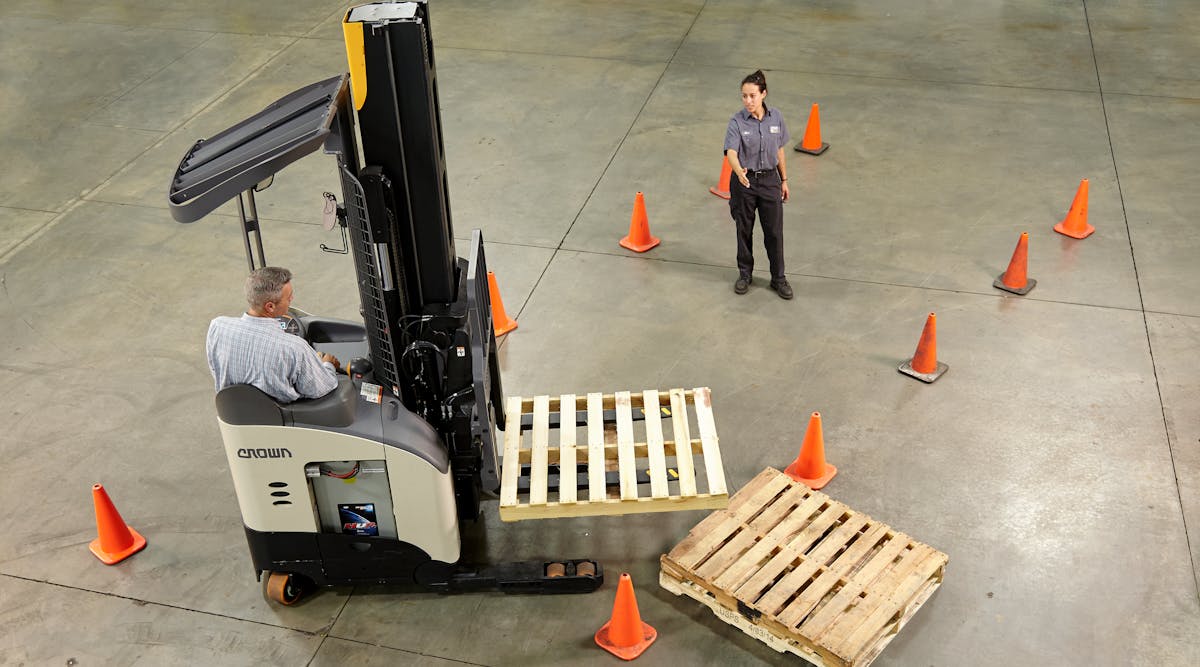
(244, 404)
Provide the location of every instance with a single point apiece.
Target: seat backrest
(243, 404)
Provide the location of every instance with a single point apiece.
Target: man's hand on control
(325, 356)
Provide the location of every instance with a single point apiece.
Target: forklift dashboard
(290, 325)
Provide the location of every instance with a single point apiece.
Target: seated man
(254, 349)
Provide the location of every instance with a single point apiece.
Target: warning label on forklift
(358, 519)
(371, 392)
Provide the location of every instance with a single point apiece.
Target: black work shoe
(783, 288)
(742, 285)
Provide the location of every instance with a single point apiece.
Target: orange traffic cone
(1075, 224)
(924, 365)
(810, 468)
(639, 239)
(1014, 279)
(501, 322)
(812, 135)
(117, 541)
(721, 189)
(625, 635)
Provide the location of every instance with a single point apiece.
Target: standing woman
(754, 144)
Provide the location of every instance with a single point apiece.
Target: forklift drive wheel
(284, 588)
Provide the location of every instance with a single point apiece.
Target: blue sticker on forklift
(358, 519)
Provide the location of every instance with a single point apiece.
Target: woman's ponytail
(757, 78)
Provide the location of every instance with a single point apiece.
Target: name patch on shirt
(774, 129)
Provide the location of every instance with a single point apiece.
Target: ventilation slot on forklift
(276, 494)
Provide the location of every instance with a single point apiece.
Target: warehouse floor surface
(1057, 462)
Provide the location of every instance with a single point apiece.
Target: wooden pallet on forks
(804, 573)
(614, 468)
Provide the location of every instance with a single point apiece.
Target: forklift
(380, 481)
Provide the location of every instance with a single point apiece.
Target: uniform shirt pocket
(751, 143)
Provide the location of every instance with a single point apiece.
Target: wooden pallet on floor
(607, 471)
(804, 573)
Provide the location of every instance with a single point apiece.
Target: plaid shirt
(257, 351)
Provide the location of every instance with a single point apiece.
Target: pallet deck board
(566, 446)
(798, 609)
(804, 573)
(897, 611)
(595, 429)
(708, 435)
(762, 577)
(717, 528)
(873, 610)
(511, 464)
(539, 467)
(683, 443)
(656, 451)
(625, 446)
(632, 465)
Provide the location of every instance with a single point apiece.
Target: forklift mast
(394, 86)
(428, 313)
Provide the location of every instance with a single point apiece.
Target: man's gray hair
(266, 284)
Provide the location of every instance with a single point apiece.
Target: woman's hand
(742, 178)
(784, 189)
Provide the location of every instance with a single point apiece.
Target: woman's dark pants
(764, 196)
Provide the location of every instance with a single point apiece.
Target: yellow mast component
(357, 57)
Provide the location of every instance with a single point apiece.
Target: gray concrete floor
(1057, 463)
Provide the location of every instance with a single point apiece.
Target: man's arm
(210, 351)
(314, 378)
(330, 361)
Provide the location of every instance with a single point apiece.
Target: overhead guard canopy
(218, 169)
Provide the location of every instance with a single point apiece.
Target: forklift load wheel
(586, 569)
(284, 588)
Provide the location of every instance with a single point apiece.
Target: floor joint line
(612, 158)
(165, 605)
(1142, 301)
